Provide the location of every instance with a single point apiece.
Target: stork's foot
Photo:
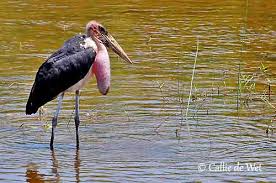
(77, 123)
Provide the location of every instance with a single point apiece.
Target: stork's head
(100, 34)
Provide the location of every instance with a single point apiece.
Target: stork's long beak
(112, 43)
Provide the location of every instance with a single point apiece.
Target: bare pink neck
(100, 46)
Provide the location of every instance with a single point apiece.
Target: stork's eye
(103, 30)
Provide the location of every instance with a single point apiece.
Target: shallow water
(132, 134)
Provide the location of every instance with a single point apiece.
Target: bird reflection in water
(34, 176)
(55, 166)
(77, 166)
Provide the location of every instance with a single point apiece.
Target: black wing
(60, 71)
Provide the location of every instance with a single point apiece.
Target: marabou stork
(69, 69)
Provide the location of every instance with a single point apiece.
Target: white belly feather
(79, 85)
(88, 42)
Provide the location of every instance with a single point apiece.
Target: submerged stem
(191, 86)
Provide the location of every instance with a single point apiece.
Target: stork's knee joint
(54, 122)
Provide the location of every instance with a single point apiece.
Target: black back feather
(60, 71)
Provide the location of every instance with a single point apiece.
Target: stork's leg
(54, 121)
(77, 118)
